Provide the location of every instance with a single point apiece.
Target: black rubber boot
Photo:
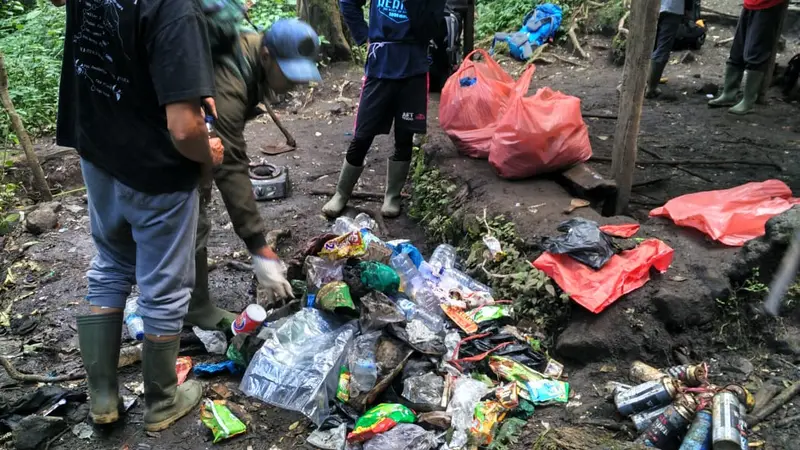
(202, 311)
(654, 79)
(99, 337)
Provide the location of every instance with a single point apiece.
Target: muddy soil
(46, 273)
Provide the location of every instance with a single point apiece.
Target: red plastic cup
(249, 320)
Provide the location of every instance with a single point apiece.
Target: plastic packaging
(183, 366)
(412, 312)
(133, 321)
(731, 216)
(379, 277)
(321, 271)
(624, 231)
(343, 387)
(538, 134)
(364, 221)
(330, 439)
(624, 273)
(467, 392)
(214, 369)
(335, 297)
(377, 311)
(344, 225)
(489, 312)
(427, 298)
(488, 415)
(459, 317)
(220, 420)
(540, 390)
(419, 333)
(350, 245)
(362, 364)
(583, 241)
(443, 257)
(424, 389)
(214, 341)
(380, 419)
(404, 436)
(407, 248)
(469, 113)
(297, 368)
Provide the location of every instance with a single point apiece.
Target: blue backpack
(538, 27)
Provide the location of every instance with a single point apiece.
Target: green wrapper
(489, 312)
(380, 419)
(223, 424)
(335, 295)
(343, 388)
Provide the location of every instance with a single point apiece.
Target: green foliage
(506, 15)
(33, 44)
(740, 322)
(8, 193)
(264, 13)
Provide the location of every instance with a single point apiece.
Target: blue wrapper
(214, 369)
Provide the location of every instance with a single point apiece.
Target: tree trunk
(325, 18)
(39, 181)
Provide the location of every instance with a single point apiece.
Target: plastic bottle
(425, 298)
(133, 320)
(410, 279)
(344, 225)
(444, 257)
(363, 220)
(454, 278)
(365, 372)
(412, 311)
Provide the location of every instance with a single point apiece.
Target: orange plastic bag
(624, 273)
(468, 114)
(621, 231)
(539, 134)
(731, 216)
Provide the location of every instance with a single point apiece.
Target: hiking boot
(751, 86)
(202, 312)
(730, 87)
(348, 178)
(396, 174)
(99, 337)
(656, 69)
(165, 402)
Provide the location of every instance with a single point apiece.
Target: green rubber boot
(99, 337)
(165, 402)
(202, 312)
(751, 85)
(730, 87)
(656, 70)
(396, 174)
(344, 188)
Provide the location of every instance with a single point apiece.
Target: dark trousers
(755, 38)
(668, 26)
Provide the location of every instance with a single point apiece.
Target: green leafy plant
(264, 13)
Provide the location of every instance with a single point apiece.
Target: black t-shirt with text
(124, 60)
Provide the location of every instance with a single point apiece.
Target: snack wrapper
(220, 420)
(495, 249)
(508, 395)
(348, 245)
(540, 390)
(460, 318)
(488, 415)
(489, 312)
(554, 369)
(182, 367)
(380, 419)
(335, 295)
(343, 388)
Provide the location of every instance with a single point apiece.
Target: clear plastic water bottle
(444, 257)
(363, 220)
(133, 320)
(412, 311)
(456, 279)
(410, 278)
(365, 372)
(344, 225)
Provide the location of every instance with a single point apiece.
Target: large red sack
(624, 273)
(731, 216)
(468, 114)
(539, 134)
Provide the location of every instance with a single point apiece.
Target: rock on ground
(767, 251)
(34, 431)
(43, 219)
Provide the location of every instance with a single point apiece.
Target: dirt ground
(47, 271)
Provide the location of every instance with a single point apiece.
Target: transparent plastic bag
(466, 395)
(404, 436)
(297, 368)
(424, 389)
(362, 364)
(321, 271)
(214, 341)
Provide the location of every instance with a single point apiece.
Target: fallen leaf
(294, 425)
(576, 203)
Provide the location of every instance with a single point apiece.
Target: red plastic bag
(468, 114)
(731, 216)
(624, 273)
(621, 231)
(539, 134)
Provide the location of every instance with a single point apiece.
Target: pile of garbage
(386, 350)
(679, 408)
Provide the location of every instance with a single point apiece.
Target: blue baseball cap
(295, 47)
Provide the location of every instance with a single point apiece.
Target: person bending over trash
(130, 103)
(752, 46)
(669, 22)
(395, 89)
(277, 59)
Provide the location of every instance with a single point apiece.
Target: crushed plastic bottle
(133, 320)
(456, 279)
(410, 278)
(444, 257)
(412, 311)
(214, 341)
(344, 225)
(364, 221)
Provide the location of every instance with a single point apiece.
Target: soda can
(726, 427)
(692, 375)
(249, 320)
(699, 435)
(643, 373)
(745, 444)
(643, 420)
(645, 396)
(666, 430)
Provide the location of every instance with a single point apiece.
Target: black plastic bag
(583, 241)
(351, 274)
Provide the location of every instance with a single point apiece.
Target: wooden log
(781, 399)
(643, 24)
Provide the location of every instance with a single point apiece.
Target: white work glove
(271, 274)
